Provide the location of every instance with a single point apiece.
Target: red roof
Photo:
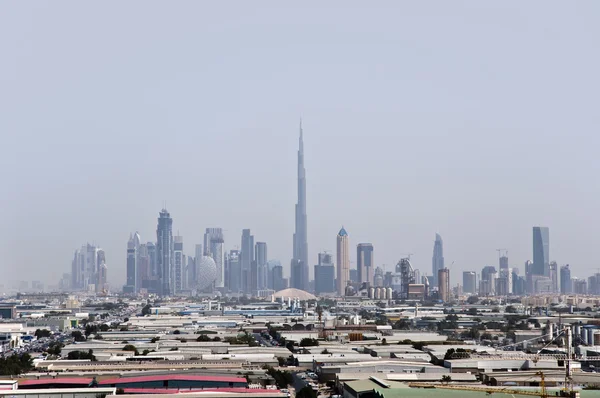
(143, 379)
(183, 391)
(60, 380)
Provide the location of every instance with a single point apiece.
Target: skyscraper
(164, 251)
(299, 264)
(553, 275)
(324, 274)
(487, 284)
(469, 282)
(343, 262)
(437, 261)
(85, 268)
(271, 264)
(247, 257)
(178, 265)
(152, 259)
(444, 284)
(278, 280)
(261, 265)
(213, 246)
(132, 257)
(143, 266)
(566, 285)
(364, 263)
(503, 262)
(102, 285)
(541, 251)
(235, 271)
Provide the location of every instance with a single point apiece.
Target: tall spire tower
(299, 266)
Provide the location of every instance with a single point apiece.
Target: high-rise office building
(299, 263)
(153, 263)
(343, 262)
(541, 251)
(143, 266)
(444, 284)
(365, 263)
(261, 265)
(566, 285)
(190, 273)
(247, 258)
(553, 275)
(503, 262)
(85, 268)
(164, 251)
(102, 274)
(133, 260)
(579, 286)
(132, 257)
(270, 265)
(324, 274)
(437, 261)
(469, 282)
(102, 286)
(378, 279)
(279, 282)
(529, 283)
(178, 265)
(234, 267)
(487, 284)
(504, 282)
(213, 246)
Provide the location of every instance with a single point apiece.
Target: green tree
(15, 365)
(402, 324)
(282, 378)
(418, 345)
(472, 299)
(82, 355)
(446, 379)
(306, 392)
(146, 310)
(131, 347)
(77, 335)
(54, 348)
(308, 342)
(41, 333)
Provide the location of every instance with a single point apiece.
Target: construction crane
(568, 389)
(407, 255)
(543, 392)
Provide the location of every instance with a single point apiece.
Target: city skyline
(97, 139)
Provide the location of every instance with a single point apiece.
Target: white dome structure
(294, 293)
(206, 273)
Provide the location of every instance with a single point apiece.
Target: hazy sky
(473, 119)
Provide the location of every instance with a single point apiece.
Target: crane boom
(488, 390)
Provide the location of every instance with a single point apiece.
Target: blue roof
(343, 232)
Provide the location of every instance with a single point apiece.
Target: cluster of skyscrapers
(542, 276)
(89, 270)
(162, 266)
